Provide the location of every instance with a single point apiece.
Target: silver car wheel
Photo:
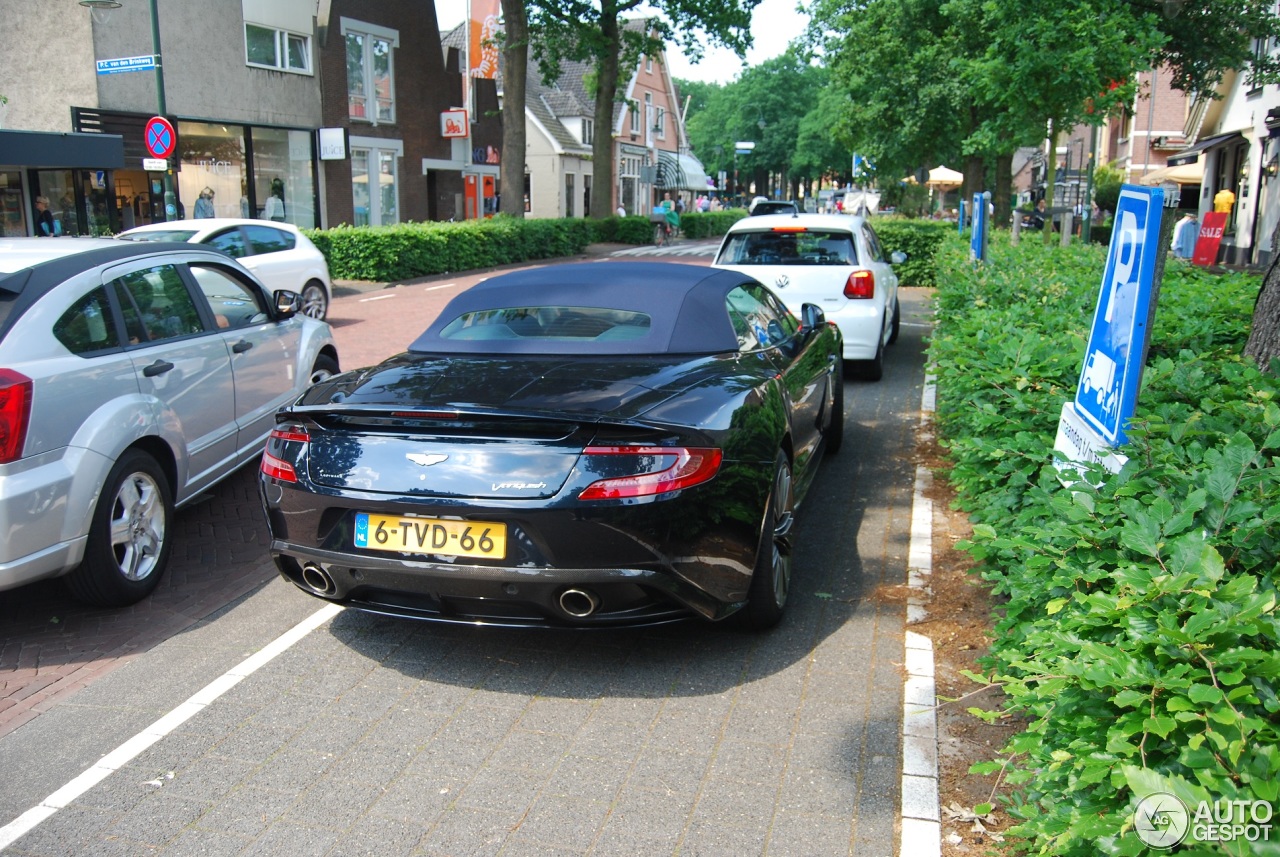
(137, 526)
(315, 303)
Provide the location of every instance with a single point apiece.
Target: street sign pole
(170, 198)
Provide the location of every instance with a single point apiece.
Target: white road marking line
(131, 749)
(377, 298)
(437, 288)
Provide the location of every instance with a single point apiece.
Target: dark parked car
(772, 206)
(597, 444)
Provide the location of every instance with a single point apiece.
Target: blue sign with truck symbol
(1108, 388)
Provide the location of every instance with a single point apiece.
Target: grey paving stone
(375, 836)
(246, 811)
(157, 821)
(294, 840)
(418, 800)
(564, 822)
(465, 832)
(501, 789)
(588, 776)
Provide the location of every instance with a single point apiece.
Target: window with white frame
(271, 47)
(660, 123)
(588, 132)
(635, 119)
(370, 71)
(375, 186)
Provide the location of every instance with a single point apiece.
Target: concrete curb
(921, 821)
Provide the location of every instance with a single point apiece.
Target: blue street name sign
(125, 64)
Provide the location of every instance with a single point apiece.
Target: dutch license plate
(480, 539)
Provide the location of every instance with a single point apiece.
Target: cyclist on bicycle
(672, 215)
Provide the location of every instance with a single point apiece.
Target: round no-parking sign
(161, 139)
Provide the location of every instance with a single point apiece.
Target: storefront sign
(454, 123)
(125, 64)
(1206, 252)
(333, 144)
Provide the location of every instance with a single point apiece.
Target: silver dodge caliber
(133, 376)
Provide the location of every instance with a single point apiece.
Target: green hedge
(709, 224)
(1138, 631)
(920, 240)
(385, 253)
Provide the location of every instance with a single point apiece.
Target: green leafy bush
(405, 251)
(919, 239)
(709, 224)
(385, 253)
(1138, 631)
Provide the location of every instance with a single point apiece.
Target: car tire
(873, 369)
(834, 433)
(315, 300)
(130, 534)
(324, 368)
(896, 323)
(771, 578)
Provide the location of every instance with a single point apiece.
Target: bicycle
(661, 235)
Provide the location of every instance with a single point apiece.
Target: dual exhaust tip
(578, 603)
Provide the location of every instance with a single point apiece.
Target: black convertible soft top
(685, 305)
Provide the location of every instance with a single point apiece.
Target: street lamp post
(170, 198)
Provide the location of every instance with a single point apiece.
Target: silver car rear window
(789, 247)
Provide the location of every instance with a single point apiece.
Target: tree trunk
(1264, 334)
(1004, 190)
(515, 57)
(602, 204)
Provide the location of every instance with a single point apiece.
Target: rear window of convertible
(549, 323)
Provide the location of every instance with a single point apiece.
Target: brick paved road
(381, 736)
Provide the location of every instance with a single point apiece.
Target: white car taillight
(861, 284)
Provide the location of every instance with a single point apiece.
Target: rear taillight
(658, 470)
(861, 284)
(15, 414)
(275, 466)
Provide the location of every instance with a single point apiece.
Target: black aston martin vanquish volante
(576, 445)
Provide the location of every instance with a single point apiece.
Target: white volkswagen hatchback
(280, 255)
(833, 261)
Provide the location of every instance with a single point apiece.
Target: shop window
(283, 175)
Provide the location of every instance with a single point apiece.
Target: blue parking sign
(978, 239)
(1112, 371)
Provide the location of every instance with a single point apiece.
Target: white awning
(681, 172)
